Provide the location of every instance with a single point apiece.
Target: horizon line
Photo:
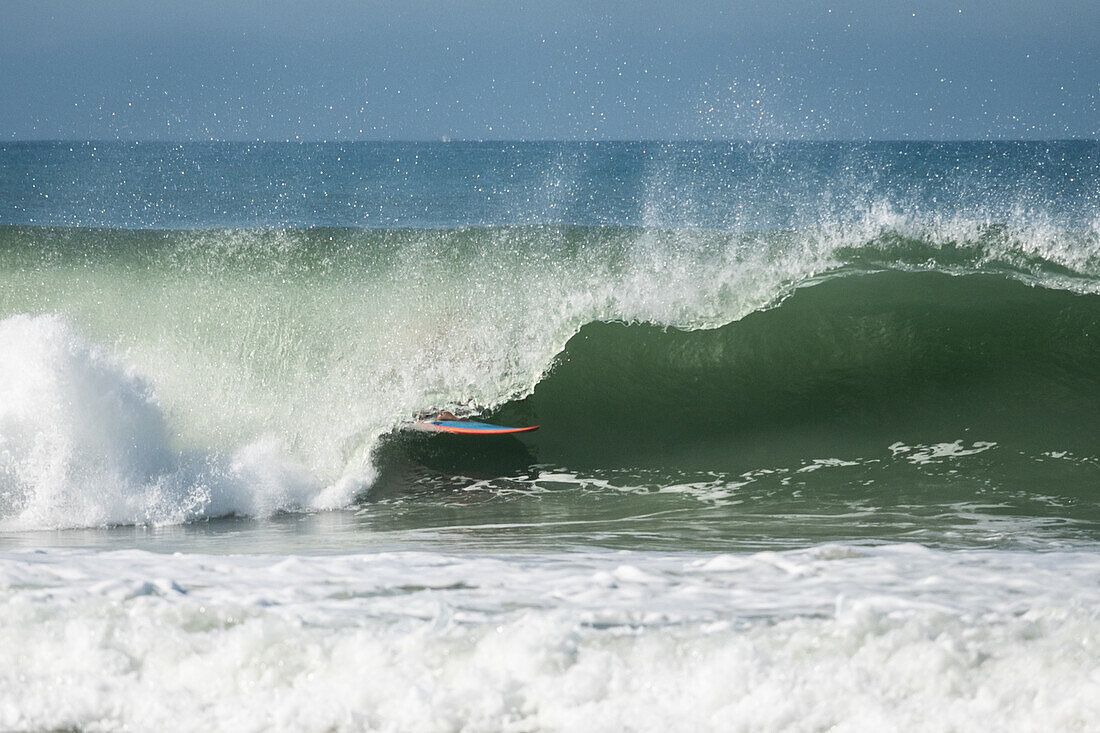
(449, 140)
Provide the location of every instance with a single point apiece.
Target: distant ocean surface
(819, 445)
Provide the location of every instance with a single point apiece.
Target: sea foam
(834, 637)
(84, 442)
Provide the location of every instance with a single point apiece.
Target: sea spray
(84, 443)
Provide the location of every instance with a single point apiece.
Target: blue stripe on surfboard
(472, 426)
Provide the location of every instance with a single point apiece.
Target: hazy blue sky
(578, 69)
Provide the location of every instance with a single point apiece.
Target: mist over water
(796, 396)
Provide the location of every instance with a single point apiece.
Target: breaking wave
(164, 376)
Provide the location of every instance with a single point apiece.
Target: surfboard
(467, 427)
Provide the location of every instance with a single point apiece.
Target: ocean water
(818, 446)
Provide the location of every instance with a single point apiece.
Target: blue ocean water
(753, 186)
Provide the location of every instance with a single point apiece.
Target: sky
(569, 70)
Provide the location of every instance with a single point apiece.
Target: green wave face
(843, 368)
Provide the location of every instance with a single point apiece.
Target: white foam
(84, 443)
(835, 637)
(934, 453)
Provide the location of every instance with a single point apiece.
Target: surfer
(445, 421)
(438, 416)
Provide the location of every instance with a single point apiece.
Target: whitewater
(829, 638)
(818, 443)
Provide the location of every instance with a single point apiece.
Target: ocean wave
(267, 370)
